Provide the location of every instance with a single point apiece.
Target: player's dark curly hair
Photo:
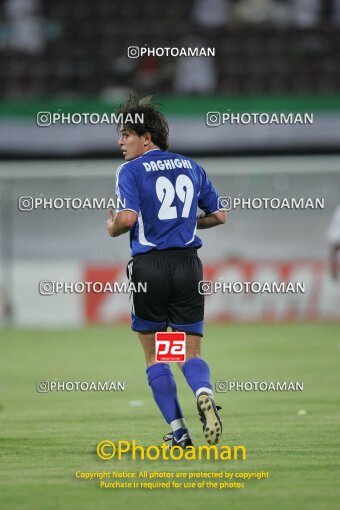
(154, 121)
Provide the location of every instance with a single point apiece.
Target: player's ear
(147, 139)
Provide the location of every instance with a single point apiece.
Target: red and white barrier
(320, 301)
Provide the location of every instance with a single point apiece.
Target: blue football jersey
(164, 189)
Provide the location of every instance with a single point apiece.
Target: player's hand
(334, 266)
(110, 221)
(112, 215)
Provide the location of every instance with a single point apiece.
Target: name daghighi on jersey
(167, 164)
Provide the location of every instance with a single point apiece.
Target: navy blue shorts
(172, 299)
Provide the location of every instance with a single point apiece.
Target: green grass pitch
(46, 438)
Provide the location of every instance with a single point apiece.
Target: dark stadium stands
(85, 39)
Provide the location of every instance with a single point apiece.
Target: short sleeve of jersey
(208, 196)
(127, 189)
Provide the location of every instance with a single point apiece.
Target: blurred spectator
(119, 77)
(306, 13)
(147, 75)
(211, 14)
(336, 12)
(26, 26)
(195, 74)
(254, 11)
(281, 12)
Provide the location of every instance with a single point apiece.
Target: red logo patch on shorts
(170, 347)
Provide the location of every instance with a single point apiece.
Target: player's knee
(150, 357)
(192, 354)
(150, 360)
(188, 356)
(193, 350)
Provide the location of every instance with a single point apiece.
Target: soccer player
(160, 192)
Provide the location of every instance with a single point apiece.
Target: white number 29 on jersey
(165, 190)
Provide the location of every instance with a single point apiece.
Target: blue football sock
(197, 373)
(164, 391)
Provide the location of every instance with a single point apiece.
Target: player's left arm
(127, 192)
(121, 222)
(209, 202)
(335, 251)
(211, 220)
